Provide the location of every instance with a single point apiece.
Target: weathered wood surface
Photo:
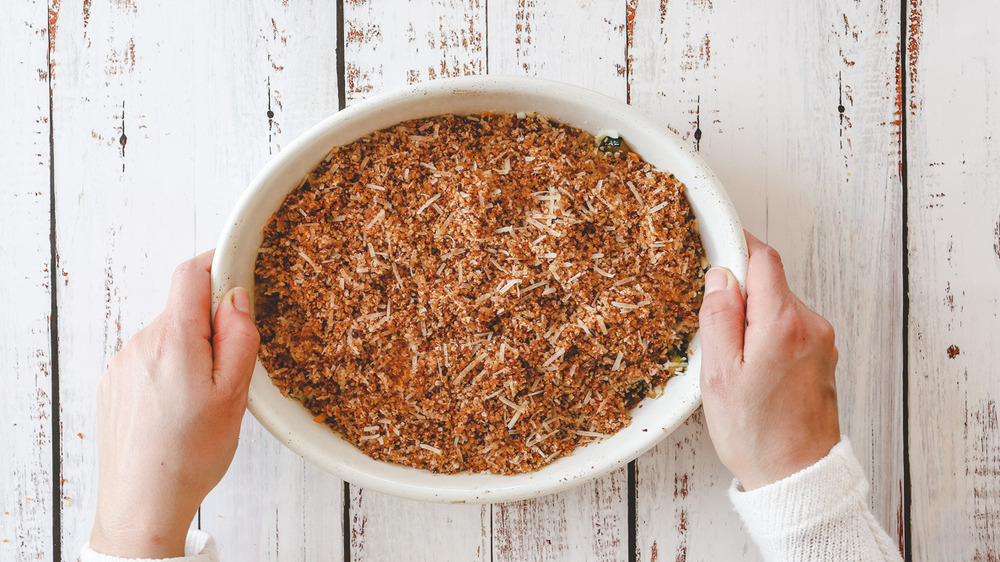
(793, 109)
(162, 112)
(26, 469)
(161, 128)
(273, 505)
(954, 247)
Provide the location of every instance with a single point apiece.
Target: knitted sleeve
(818, 513)
(199, 547)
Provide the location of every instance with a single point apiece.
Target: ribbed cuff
(831, 487)
(198, 547)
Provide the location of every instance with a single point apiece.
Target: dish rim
(274, 413)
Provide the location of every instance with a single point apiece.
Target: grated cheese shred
(500, 352)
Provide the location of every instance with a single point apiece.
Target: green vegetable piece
(613, 144)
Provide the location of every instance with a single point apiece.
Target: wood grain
(793, 109)
(587, 522)
(26, 471)
(125, 210)
(390, 528)
(583, 46)
(392, 44)
(679, 56)
(160, 130)
(954, 248)
(163, 112)
(273, 505)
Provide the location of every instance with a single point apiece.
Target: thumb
(722, 322)
(235, 341)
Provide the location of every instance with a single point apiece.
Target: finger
(767, 286)
(721, 322)
(189, 302)
(235, 343)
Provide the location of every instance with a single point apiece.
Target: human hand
(767, 374)
(168, 417)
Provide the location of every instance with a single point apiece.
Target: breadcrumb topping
(478, 293)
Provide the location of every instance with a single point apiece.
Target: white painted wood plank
(387, 47)
(390, 44)
(757, 89)
(588, 522)
(26, 470)
(683, 510)
(954, 246)
(685, 59)
(159, 129)
(582, 44)
(390, 528)
(125, 209)
(273, 505)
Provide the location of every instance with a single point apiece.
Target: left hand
(169, 411)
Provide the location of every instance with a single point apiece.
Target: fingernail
(241, 300)
(716, 279)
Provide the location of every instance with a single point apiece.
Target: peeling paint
(697, 55)
(897, 113)
(984, 462)
(630, 9)
(996, 241)
(682, 528)
(681, 486)
(441, 45)
(914, 37)
(53, 27)
(126, 5)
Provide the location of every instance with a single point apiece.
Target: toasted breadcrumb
(429, 295)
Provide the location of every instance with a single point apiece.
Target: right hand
(767, 375)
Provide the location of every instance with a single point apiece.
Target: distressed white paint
(195, 124)
(580, 43)
(389, 528)
(391, 44)
(585, 46)
(26, 471)
(953, 152)
(190, 86)
(763, 84)
(124, 208)
(588, 522)
(679, 56)
(273, 505)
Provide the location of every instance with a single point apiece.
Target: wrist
(134, 538)
(785, 463)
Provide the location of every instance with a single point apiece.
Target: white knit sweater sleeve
(199, 547)
(818, 513)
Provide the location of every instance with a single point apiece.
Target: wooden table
(856, 137)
